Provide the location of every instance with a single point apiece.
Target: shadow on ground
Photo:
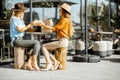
(117, 60)
(7, 65)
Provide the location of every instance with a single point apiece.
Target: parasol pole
(81, 18)
(30, 10)
(86, 29)
(30, 1)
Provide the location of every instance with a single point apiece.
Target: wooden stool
(61, 56)
(18, 57)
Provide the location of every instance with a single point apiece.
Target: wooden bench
(18, 57)
(61, 56)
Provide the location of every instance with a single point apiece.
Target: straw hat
(66, 7)
(19, 7)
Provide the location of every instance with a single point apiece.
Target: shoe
(49, 67)
(56, 65)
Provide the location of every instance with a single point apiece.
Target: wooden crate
(18, 57)
(61, 56)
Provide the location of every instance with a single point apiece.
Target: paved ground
(107, 69)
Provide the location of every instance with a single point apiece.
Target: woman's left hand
(41, 23)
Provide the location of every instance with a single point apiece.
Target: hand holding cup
(38, 23)
(41, 23)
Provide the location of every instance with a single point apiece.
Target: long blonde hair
(65, 14)
(16, 13)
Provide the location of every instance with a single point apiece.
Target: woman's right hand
(38, 23)
(34, 23)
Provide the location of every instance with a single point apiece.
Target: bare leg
(34, 62)
(47, 58)
(55, 61)
(52, 46)
(28, 64)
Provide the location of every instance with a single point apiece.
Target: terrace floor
(107, 69)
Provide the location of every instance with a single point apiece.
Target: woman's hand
(41, 24)
(37, 23)
(34, 23)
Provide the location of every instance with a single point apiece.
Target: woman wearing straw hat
(64, 30)
(17, 29)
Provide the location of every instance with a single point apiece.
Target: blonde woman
(64, 30)
(17, 29)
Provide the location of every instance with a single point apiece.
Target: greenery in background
(103, 19)
(45, 3)
(100, 19)
(115, 18)
(7, 14)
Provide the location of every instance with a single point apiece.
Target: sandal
(56, 65)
